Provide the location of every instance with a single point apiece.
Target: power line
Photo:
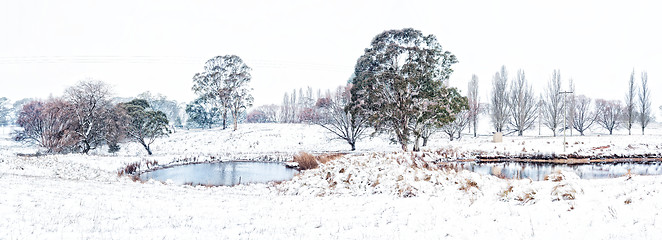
(110, 59)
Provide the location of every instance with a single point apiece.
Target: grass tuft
(130, 169)
(308, 161)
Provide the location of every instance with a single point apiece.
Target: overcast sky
(136, 46)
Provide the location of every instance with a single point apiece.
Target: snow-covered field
(376, 193)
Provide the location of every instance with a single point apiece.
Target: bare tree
(629, 113)
(570, 120)
(522, 104)
(499, 100)
(46, 124)
(336, 117)
(645, 115)
(4, 111)
(584, 115)
(90, 101)
(609, 114)
(285, 109)
(269, 112)
(552, 108)
(454, 129)
(474, 104)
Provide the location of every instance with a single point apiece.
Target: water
(223, 173)
(538, 171)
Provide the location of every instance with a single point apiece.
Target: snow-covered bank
(57, 208)
(378, 193)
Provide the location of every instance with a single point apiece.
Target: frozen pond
(223, 173)
(538, 171)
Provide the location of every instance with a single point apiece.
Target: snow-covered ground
(376, 193)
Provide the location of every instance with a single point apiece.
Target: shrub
(113, 147)
(130, 168)
(308, 161)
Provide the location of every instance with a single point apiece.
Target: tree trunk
(353, 144)
(475, 134)
(425, 141)
(86, 147)
(416, 147)
(225, 116)
(149, 151)
(234, 116)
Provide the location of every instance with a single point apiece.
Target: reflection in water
(538, 171)
(223, 173)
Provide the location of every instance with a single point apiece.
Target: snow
(78, 196)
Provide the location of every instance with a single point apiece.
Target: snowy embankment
(378, 193)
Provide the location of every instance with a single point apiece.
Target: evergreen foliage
(400, 85)
(145, 124)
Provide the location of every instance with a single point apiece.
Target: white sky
(46, 46)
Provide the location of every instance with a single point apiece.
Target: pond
(538, 171)
(223, 173)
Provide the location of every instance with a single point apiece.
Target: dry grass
(199, 184)
(565, 192)
(555, 177)
(130, 168)
(506, 192)
(526, 197)
(152, 163)
(308, 161)
(468, 185)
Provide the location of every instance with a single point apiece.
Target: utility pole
(565, 117)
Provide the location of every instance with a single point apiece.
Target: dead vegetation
(129, 169)
(308, 161)
(527, 196)
(468, 184)
(506, 192)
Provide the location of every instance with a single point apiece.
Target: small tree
(145, 125)
(271, 112)
(256, 116)
(335, 116)
(584, 115)
(454, 129)
(609, 113)
(645, 115)
(4, 111)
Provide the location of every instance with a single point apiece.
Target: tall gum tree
(399, 85)
(225, 81)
